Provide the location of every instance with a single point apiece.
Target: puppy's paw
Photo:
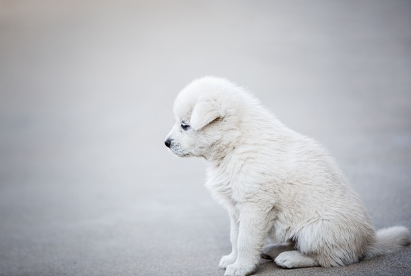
(294, 259)
(284, 260)
(237, 269)
(227, 260)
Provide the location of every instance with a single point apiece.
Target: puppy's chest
(222, 184)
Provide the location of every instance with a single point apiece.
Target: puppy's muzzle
(168, 142)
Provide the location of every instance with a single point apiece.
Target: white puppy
(274, 182)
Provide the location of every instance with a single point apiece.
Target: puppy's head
(204, 122)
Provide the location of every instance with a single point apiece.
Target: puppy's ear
(204, 112)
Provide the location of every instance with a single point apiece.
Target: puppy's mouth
(182, 154)
(178, 151)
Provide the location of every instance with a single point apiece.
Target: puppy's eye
(185, 126)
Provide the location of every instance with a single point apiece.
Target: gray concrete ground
(86, 184)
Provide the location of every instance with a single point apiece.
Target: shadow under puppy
(274, 182)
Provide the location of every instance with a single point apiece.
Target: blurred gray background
(87, 186)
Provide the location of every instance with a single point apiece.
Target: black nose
(168, 143)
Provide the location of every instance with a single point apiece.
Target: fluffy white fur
(275, 183)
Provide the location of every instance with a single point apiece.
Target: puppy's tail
(388, 240)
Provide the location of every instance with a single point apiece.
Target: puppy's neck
(222, 149)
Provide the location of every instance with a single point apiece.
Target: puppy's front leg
(252, 230)
(229, 259)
